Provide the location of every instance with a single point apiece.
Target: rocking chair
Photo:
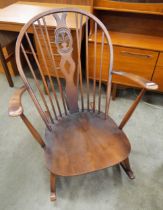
(80, 136)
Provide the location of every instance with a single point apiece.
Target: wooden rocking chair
(80, 136)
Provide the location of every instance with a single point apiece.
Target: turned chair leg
(52, 187)
(127, 168)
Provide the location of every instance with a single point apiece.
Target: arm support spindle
(16, 109)
(145, 84)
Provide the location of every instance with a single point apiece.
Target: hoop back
(60, 63)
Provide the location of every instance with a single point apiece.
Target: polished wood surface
(75, 2)
(32, 130)
(158, 73)
(15, 106)
(16, 109)
(137, 35)
(84, 142)
(125, 22)
(131, 109)
(136, 61)
(160, 59)
(4, 3)
(146, 84)
(52, 187)
(13, 17)
(134, 40)
(131, 60)
(146, 8)
(158, 77)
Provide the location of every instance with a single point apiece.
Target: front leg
(127, 168)
(52, 187)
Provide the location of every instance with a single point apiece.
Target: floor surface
(24, 179)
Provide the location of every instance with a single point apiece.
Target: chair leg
(52, 187)
(127, 168)
(5, 67)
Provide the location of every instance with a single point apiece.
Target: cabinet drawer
(160, 60)
(140, 62)
(92, 61)
(158, 77)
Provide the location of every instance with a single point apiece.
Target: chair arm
(16, 109)
(15, 106)
(144, 83)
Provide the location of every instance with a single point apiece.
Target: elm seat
(70, 147)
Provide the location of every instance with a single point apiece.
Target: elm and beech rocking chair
(80, 136)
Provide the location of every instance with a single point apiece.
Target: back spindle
(59, 55)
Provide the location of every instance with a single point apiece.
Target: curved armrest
(16, 109)
(15, 106)
(148, 85)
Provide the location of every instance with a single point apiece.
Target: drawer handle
(136, 54)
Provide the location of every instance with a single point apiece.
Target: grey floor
(24, 179)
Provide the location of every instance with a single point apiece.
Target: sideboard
(136, 31)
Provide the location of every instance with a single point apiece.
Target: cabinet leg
(114, 91)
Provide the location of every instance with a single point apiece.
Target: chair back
(64, 63)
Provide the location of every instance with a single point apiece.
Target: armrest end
(151, 85)
(144, 83)
(15, 111)
(15, 106)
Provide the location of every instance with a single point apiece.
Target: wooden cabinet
(48, 65)
(137, 61)
(137, 36)
(11, 64)
(158, 73)
(96, 59)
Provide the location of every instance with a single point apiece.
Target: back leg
(127, 168)
(52, 187)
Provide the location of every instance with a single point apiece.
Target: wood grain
(84, 142)
(4, 3)
(158, 73)
(131, 60)
(77, 2)
(146, 84)
(13, 17)
(15, 106)
(133, 40)
(131, 109)
(125, 22)
(158, 77)
(136, 61)
(145, 8)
